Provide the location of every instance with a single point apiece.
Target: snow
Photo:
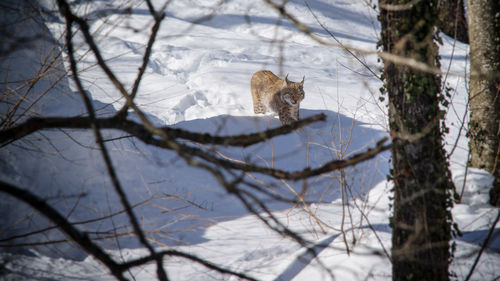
(198, 79)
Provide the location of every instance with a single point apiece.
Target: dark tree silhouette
(422, 185)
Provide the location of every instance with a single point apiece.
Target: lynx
(282, 96)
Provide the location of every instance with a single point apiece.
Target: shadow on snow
(176, 202)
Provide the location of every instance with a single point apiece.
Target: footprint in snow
(197, 98)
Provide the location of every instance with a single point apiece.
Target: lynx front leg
(294, 112)
(285, 117)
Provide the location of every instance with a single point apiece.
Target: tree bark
(484, 125)
(421, 221)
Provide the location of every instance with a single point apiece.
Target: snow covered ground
(198, 79)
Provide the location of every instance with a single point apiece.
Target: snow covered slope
(198, 79)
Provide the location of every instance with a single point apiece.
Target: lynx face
(293, 93)
(282, 96)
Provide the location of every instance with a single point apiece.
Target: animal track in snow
(176, 61)
(191, 100)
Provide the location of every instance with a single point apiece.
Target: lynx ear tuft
(302, 82)
(285, 82)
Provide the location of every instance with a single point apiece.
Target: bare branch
(79, 237)
(154, 31)
(190, 257)
(65, 11)
(84, 27)
(340, 43)
(35, 124)
(144, 135)
(73, 223)
(484, 246)
(86, 243)
(389, 57)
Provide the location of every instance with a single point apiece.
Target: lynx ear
(302, 82)
(285, 82)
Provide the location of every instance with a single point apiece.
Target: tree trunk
(451, 19)
(421, 221)
(484, 126)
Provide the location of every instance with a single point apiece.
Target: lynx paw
(259, 109)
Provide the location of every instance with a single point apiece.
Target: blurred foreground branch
(139, 131)
(83, 240)
(35, 124)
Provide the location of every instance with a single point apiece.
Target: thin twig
(66, 12)
(158, 17)
(48, 211)
(145, 135)
(340, 43)
(175, 253)
(396, 59)
(24, 235)
(483, 247)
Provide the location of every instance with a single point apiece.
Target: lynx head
(292, 92)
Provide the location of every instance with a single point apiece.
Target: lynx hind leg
(258, 106)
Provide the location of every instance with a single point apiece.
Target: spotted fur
(281, 96)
